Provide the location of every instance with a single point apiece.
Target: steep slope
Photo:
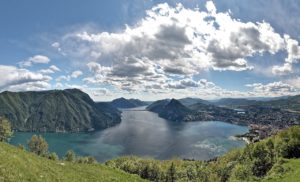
(174, 111)
(19, 165)
(158, 105)
(190, 101)
(127, 103)
(55, 110)
(170, 109)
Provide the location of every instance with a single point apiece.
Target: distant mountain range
(73, 110)
(190, 101)
(127, 103)
(239, 111)
(56, 110)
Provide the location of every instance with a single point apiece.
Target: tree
(171, 173)
(5, 130)
(70, 156)
(91, 160)
(53, 156)
(38, 145)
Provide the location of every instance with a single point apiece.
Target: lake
(143, 133)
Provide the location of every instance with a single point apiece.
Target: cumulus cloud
(22, 79)
(170, 46)
(189, 83)
(63, 78)
(101, 92)
(52, 69)
(176, 42)
(272, 89)
(31, 86)
(37, 59)
(76, 74)
(282, 70)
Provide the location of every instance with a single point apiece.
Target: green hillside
(19, 165)
(292, 175)
(274, 159)
(56, 110)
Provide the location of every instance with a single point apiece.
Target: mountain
(290, 103)
(234, 102)
(127, 103)
(170, 109)
(158, 105)
(190, 101)
(55, 111)
(285, 102)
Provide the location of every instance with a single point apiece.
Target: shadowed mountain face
(188, 101)
(56, 110)
(170, 109)
(127, 103)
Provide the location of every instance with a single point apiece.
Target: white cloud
(76, 74)
(63, 77)
(282, 70)
(52, 69)
(293, 49)
(30, 86)
(37, 59)
(175, 41)
(272, 89)
(295, 82)
(101, 92)
(16, 79)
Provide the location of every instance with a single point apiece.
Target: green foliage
(53, 156)
(19, 165)
(257, 161)
(86, 160)
(5, 130)
(38, 145)
(21, 147)
(287, 170)
(241, 173)
(70, 156)
(288, 143)
(171, 173)
(56, 110)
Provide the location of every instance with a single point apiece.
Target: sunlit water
(143, 133)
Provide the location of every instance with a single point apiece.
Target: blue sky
(151, 49)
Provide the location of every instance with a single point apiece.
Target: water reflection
(143, 133)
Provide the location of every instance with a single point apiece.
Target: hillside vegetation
(19, 165)
(127, 103)
(273, 159)
(56, 110)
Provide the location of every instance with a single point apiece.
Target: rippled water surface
(143, 133)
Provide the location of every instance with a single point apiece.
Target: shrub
(53, 156)
(38, 145)
(70, 156)
(5, 130)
